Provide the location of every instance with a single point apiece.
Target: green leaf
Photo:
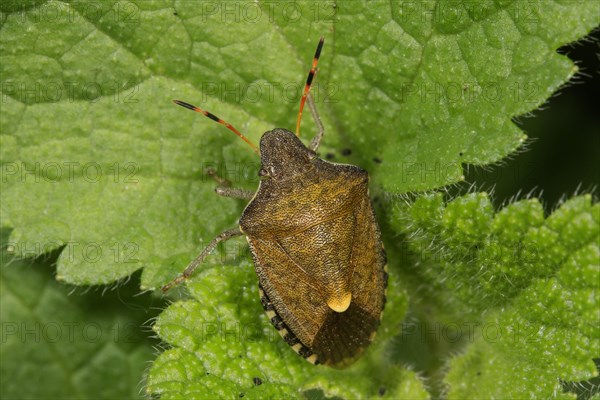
(57, 344)
(222, 342)
(440, 81)
(98, 163)
(528, 283)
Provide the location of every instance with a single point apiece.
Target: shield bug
(315, 243)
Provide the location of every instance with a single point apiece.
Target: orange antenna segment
(217, 120)
(311, 75)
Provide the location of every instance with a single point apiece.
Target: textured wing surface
(298, 300)
(369, 274)
(324, 251)
(344, 336)
(299, 275)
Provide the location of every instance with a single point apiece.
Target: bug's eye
(311, 155)
(263, 172)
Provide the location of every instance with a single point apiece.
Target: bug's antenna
(217, 120)
(311, 75)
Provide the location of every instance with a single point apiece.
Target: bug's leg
(225, 190)
(213, 174)
(316, 141)
(235, 193)
(228, 234)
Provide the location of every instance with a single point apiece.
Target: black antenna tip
(185, 105)
(319, 47)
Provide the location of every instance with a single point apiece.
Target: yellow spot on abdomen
(341, 303)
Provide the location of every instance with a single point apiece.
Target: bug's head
(283, 155)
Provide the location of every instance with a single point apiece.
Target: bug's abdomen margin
(286, 333)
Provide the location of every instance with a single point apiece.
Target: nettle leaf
(98, 163)
(440, 81)
(530, 283)
(57, 344)
(223, 345)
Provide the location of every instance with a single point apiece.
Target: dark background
(562, 156)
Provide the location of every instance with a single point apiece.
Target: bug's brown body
(315, 243)
(317, 251)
